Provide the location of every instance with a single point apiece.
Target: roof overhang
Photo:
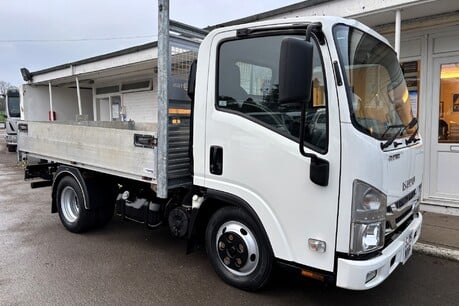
(127, 61)
(373, 13)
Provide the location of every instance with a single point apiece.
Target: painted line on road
(437, 251)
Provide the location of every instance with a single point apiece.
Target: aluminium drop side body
(356, 226)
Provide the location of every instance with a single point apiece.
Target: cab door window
(248, 85)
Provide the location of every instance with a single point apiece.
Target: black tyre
(70, 205)
(238, 250)
(11, 148)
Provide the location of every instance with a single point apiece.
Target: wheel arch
(63, 171)
(215, 200)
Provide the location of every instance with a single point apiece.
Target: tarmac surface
(439, 236)
(43, 264)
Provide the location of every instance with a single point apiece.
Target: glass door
(444, 155)
(115, 102)
(109, 108)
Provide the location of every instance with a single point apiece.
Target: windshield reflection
(376, 85)
(13, 107)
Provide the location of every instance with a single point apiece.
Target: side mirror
(26, 75)
(319, 171)
(295, 71)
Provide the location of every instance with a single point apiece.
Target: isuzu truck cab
(303, 151)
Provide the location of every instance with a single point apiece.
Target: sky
(39, 34)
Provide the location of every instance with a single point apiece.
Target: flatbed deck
(106, 147)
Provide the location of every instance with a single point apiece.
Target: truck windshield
(377, 92)
(13, 107)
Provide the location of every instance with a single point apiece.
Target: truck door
(252, 146)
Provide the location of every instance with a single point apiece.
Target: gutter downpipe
(78, 95)
(50, 88)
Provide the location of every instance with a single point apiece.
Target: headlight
(369, 207)
(11, 138)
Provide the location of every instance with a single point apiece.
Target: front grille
(405, 199)
(402, 216)
(399, 212)
(395, 233)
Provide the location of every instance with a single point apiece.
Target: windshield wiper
(410, 125)
(395, 126)
(413, 137)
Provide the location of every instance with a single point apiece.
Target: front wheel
(238, 250)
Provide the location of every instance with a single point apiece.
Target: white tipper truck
(297, 146)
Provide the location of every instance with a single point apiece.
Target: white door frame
(430, 180)
(109, 97)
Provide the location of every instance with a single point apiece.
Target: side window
(248, 85)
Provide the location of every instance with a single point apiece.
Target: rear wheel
(11, 148)
(70, 205)
(238, 250)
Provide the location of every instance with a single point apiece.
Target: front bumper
(11, 140)
(352, 274)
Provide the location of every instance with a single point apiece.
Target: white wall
(141, 106)
(35, 103)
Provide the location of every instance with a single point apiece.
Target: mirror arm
(319, 169)
(312, 27)
(302, 127)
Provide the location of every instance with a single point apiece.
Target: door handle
(216, 160)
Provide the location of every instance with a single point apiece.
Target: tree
(4, 86)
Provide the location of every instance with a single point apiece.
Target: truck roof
(326, 21)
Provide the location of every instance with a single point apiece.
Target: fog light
(317, 245)
(370, 276)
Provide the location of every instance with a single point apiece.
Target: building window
(411, 72)
(107, 90)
